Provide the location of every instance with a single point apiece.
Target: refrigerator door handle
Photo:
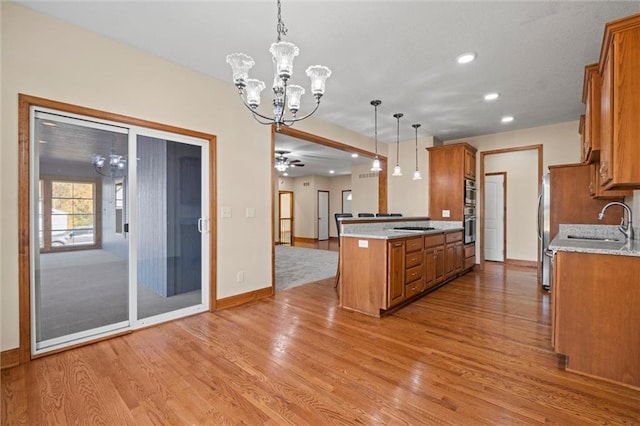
(540, 218)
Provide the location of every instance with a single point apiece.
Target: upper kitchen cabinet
(449, 166)
(591, 98)
(620, 104)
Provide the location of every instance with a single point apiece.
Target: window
(67, 214)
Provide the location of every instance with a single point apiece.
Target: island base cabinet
(597, 315)
(363, 275)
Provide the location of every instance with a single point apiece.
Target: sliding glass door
(119, 228)
(169, 226)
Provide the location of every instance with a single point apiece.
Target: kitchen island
(382, 268)
(596, 306)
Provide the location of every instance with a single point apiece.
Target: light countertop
(389, 234)
(595, 246)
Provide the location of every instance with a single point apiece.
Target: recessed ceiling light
(507, 119)
(354, 155)
(465, 58)
(285, 174)
(332, 171)
(491, 96)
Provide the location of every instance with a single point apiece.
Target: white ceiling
(402, 52)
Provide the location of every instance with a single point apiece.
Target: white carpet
(296, 266)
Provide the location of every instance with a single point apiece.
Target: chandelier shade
(285, 96)
(117, 164)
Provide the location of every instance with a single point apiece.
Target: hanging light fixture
(416, 174)
(376, 161)
(117, 164)
(397, 171)
(284, 93)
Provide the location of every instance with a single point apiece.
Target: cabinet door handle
(397, 244)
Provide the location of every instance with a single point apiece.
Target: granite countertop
(597, 239)
(595, 246)
(389, 234)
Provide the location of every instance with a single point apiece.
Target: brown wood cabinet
(597, 191)
(396, 272)
(620, 104)
(469, 256)
(454, 254)
(449, 165)
(377, 275)
(591, 98)
(596, 316)
(570, 199)
(433, 260)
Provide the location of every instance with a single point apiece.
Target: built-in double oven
(469, 211)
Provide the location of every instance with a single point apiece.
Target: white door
(494, 217)
(323, 215)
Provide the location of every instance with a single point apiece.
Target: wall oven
(469, 192)
(469, 224)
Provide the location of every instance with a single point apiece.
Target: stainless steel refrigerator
(544, 227)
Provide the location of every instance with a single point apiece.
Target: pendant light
(416, 174)
(376, 161)
(397, 171)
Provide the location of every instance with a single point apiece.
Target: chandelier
(284, 93)
(117, 164)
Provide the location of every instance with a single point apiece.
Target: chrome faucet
(627, 229)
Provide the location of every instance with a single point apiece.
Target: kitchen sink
(585, 238)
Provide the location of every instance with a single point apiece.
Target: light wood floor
(474, 352)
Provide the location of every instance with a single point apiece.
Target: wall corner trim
(241, 299)
(9, 358)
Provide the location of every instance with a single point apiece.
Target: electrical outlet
(446, 213)
(240, 277)
(226, 212)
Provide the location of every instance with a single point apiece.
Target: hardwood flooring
(476, 351)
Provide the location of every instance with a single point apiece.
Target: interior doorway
(524, 168)
(323, 215)
(495, 216)
(285, 219)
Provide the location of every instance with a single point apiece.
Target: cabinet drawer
(412, 289)
(469, 262)
(413, 259)
(413, 274)
(434, 240)
(469, 251)
(414, 244)
(452, 237)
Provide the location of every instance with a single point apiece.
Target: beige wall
(521, 168)
(560, 145)
(85, 69)
(364, 186)
(407, 196)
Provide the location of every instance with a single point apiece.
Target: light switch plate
(446, 213)
(250, 212)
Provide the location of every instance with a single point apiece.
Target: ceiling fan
(282, 162)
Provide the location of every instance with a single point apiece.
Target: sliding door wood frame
(25, 102)
(538, 149)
